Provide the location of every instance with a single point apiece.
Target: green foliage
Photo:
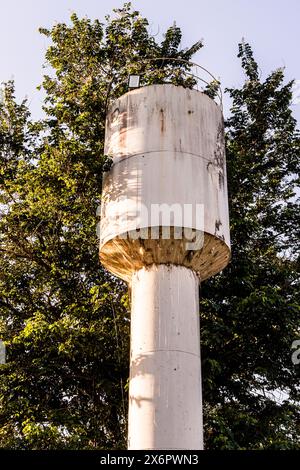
(251, 310)
(65, 320)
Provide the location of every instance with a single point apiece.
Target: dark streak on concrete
(218, 224)
(162, 121)
(219, 155)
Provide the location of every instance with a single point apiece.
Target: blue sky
(271, 26)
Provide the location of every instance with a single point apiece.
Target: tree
(251, 310)
(65, 320)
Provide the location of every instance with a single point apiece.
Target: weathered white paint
(165, 404)
(167, 144)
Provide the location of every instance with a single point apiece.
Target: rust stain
(162, 121)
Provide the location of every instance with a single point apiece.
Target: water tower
(165, 228)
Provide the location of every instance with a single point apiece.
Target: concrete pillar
(165, 402)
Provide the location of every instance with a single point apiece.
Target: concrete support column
(165, 402)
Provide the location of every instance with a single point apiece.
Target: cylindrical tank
(167, 144)
(165, 227)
